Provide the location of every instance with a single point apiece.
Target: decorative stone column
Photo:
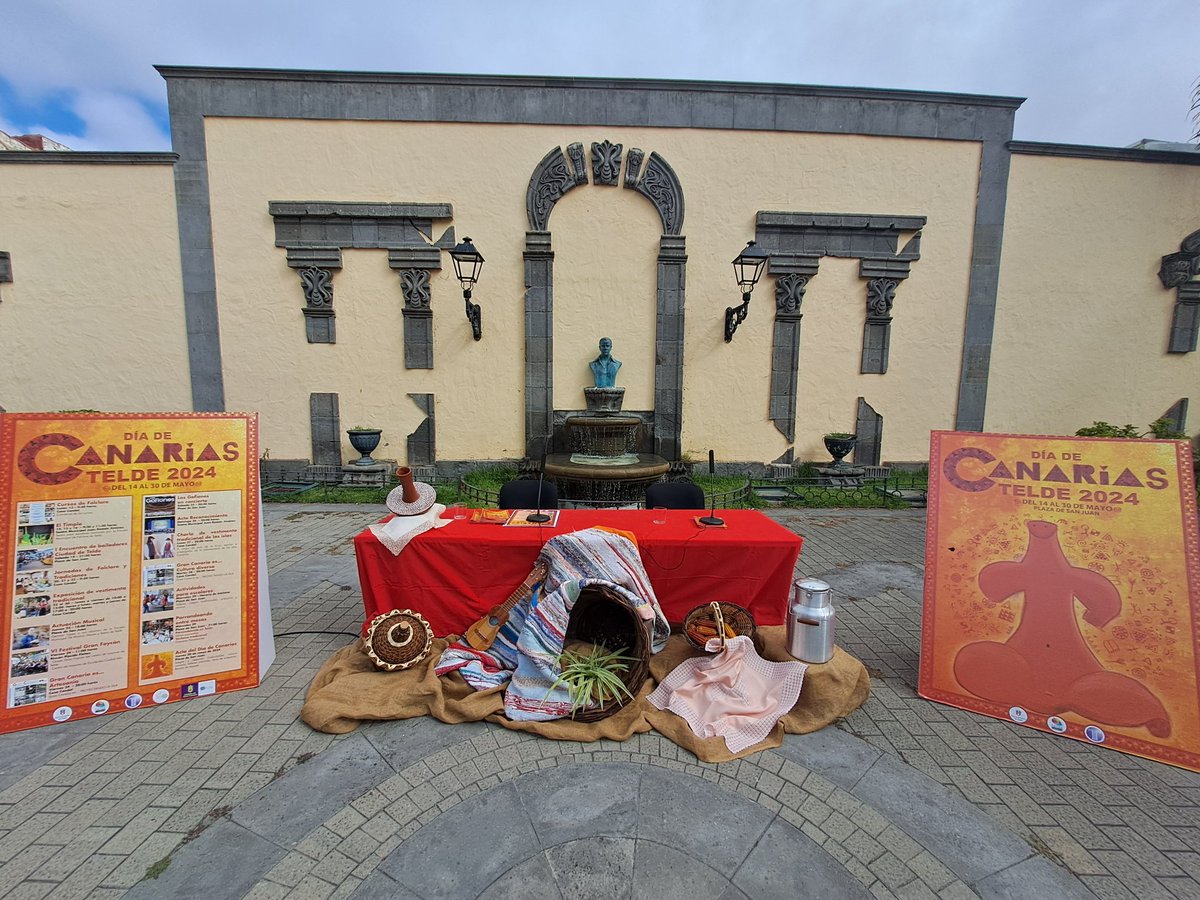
(539, 341)
(315, 268)
(877, 331)
(791, 281)
(413, 266)
(668, 346)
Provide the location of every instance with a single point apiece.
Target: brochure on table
(133, 561)
(1062, 585)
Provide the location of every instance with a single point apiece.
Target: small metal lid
(815, 591)
(812, 584)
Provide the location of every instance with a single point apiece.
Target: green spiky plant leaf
(593, 679)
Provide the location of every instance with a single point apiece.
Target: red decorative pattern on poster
(1062, 588)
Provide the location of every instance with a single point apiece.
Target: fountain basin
(598, 483)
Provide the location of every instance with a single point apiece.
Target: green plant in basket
(593, 678)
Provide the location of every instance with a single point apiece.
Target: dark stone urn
(364, 440)
(839, 445)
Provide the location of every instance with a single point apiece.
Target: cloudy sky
(1104, 72)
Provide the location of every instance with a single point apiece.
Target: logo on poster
(1094, 734)
(1076, 472)
(62, 714)
(1018, 715)
(100, 707)
(133, 701)
(187, 691)
(1057, 725)
(162, 695)
(207, 687)
(140, 449)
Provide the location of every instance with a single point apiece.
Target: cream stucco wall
(1082, 319)
(606, 244)
(94, 316)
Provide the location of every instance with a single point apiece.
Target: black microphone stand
(540, 517)
(712, 518)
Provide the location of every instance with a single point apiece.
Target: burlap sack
(348, 689)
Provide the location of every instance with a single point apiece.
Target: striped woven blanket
(526, 652)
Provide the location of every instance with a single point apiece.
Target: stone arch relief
(556, 174)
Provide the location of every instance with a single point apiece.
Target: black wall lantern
(748, 267)
(468, 263)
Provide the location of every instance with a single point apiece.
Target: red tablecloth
(456, 574)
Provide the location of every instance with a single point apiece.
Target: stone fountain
(603, 466)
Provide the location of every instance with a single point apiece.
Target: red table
(455, 574)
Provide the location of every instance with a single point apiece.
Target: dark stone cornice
(1118, 154)
(87, 157)
(577, 83)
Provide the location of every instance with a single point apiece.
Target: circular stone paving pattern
(609, 831)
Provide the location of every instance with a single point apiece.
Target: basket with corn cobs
(704, 623)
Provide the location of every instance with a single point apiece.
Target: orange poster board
(1062, 587)
(131, 554)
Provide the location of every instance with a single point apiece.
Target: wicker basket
(398, 640)
(603, 617)
(736, 617)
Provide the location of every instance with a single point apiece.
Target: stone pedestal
(604, 400)
(365, 476)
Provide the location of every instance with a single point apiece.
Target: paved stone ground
(232, 796)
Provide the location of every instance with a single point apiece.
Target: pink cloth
(735, 694)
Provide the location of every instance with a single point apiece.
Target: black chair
(675, 495)
(523, 494)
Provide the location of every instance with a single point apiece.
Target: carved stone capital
(789, 295)
(1178, 268)
(317, 284)
(414, 286)
(606, 162)
(881, 293)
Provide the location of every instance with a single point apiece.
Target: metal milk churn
(810, 621)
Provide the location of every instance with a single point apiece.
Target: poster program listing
(80, 565)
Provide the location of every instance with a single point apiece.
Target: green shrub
(1162, 429)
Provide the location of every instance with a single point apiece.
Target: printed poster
(131, 562)
(1062, 587)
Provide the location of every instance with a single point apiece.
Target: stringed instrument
(483, 633)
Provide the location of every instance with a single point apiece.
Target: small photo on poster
(158, 576)
(35, 535)
(36, 560)
(158, 665)
(162, 600)
(34, 583)
(34, 637)
(29, 693)
(158, 631)
(160, 544)
(30, 662)
(31, 607)
(158, 505)
(35, 513)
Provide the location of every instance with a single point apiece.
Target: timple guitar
(483, 633)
